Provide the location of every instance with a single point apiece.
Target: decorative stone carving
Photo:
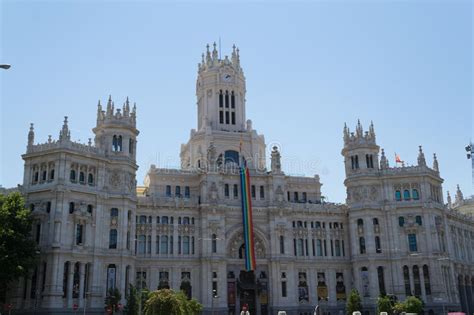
(238, 240)
(115, 179)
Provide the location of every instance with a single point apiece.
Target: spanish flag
(398, 159)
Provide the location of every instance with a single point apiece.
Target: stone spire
(383, 161)
(208, 55)
(215, 54)
(276, 161)
(31, 136)
(65, 134)
(372, 130)
(359, 130)
(435, 163)
(421, 157)
(346, 133)
(110, 110)
(450, 204)
(459, 195)
(126, 108)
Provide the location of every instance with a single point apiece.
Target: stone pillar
(70, 284)
(81, 284)
(412, 281)
(422, 283)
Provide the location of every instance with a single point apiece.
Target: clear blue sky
(310, 67)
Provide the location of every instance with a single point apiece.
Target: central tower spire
(220, 91)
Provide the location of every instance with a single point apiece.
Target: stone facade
(183, 229)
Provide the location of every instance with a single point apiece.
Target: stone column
(81, 284)
(412, 281)
(70, 284)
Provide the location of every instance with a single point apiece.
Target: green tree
(112, 299)
(169, 302)
(18, 251)
(354, 303)
(413, 305)
(384, 304)
(133, 298)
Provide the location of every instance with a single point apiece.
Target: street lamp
(6, 67)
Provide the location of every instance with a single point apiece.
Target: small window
(378, 246)
(376, 221)
(406, 194)
(282, 244)
(164, 220)
(82, 178)
(72, 175)
(253, 192)
(416, 195)
(214, 243)
(90, 179)
(51, 174)
(36, 177)
(226, 190)
(177, 191)
(398, 195)
(79, 234)
(362, 245)
(236, 191)
(360, 222)
(48, 207)
(401, 221)
(419, 220)
(71, 207)
(114, 212)
(187, 192)
(283, 289)
(43, 176)
(89, 209)
(262, 192)
(168, 191)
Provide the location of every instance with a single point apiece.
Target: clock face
(227, 77)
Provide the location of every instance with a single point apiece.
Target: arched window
(426, 276)
(51, 174)
(406, 194)
(416, 195)
(232, 100)
(300, 248)
(114, 212)
(375, 221)
(221, 99)
(36, 177)
(360, 222)
(119, 140)
(89, 209)
(401, 221)
(44, 175)
(90, 179)
(398, 195)
(378, 246)
(214, 243)
(113, 239)
(164, 220)
(406, 279)
(227, 100)
(362, 245)
(186, 220)
(364, 275)
(71, 207)
(177, 191)
(381, 280)
(142, 219)
(416, 280)
(72, 175)
(231, 156)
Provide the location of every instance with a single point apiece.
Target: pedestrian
(245, 310)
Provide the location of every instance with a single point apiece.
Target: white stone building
(183, 229)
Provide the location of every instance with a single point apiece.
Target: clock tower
(224, 137)
(220, 92)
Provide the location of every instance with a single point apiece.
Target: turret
(116, 132)
(421, 157)
(220, 91)
(384, 161)
(65, 134)
(360, 150)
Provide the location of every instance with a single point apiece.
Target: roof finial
(449, 200)
(215, 55)
(65, 133)
(208, 55)
(421, 157)
(31, 135)
(359, 130)
(435, 163)
(383, 160)
(459, 195)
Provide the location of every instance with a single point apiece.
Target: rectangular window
(233, 118)
(262, 192)
(227, 119)
(226, 190)
(253, 192)
(282, 244)
(306, 247)
(168, 191)
(338, 248)
(319, 247)
(304, 197)
(236, 191)
(412, 243)
(332, 248)
(179, 245)
(187, 192)
(38, 233)
(177, 191)
(314, 251)
(283, 289)
(214, 289)
(295, 196)
(157, 244)
(221, 117)
(325, 248)
(79, 230)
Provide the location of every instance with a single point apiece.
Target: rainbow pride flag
(250, 263)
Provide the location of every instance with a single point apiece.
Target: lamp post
(6, 67)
